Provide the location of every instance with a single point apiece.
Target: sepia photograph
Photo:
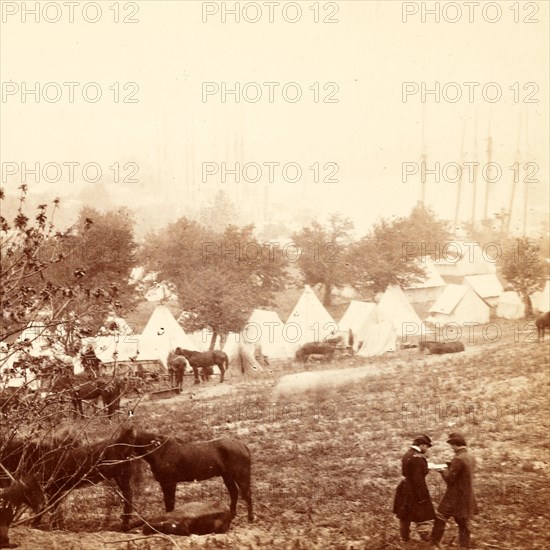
(274, 274)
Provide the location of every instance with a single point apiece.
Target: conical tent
(510, 305)
(358, 318)
(380, 338)
(395, 307)
(161, 335)
(308, 322)
(264, 329)
(241, 357)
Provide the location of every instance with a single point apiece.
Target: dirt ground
(326, 459)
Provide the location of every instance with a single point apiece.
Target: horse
(315, 348)
(439, 348)
(542, 322)
(177, 364)
(84, 388)
(65, 464)
(205, 360)
(173, 460)
(23, 492)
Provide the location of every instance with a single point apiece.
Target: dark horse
(173, 460)
(439, 348)
(24, 492)
(315, 348)
(542, 322)
(86, 388)
(177, 364)
(205, 360)
(62, 464)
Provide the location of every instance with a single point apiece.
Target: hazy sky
(169, 132)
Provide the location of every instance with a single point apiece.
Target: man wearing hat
(412, 500)
(459, 501)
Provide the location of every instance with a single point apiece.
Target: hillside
(326, 462)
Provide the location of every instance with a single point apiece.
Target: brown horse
(84, 388)
(205, 360)
(177, 365)
(542, 322)
(62, 465)
(24, 492)
(173, 460)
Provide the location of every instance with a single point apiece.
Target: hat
(456, 439)
(422, 440)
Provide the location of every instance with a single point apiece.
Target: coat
(412, 500)
(459, 499)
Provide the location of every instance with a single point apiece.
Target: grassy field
(326, 461)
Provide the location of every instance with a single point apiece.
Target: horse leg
(233, 493)
(124, 484)
(196, 373)
(246, 494)
(169, 491)
(223, 368)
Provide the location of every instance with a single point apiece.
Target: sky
(167, 133)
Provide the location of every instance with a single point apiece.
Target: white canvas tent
(487, 287)
(459, 304)
(541, 299)
(308, 322)
(161, 335)
(358, 318)
(264, 328)
(510, 305)
(241, 359)
(380, 338)
(427, 290)
(126, 347)
(394, 307)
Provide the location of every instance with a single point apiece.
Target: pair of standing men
(413, 503)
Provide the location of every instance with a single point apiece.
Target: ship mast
(513, 192)
(459, 184)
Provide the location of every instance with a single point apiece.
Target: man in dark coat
(412, 500)
(459, 501)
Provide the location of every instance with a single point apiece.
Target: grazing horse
(542, 322)
(173, 460)
(65, 465)
(24, 492)
(177, 365)
(315, 348)
(439, 348)
(84, 388)
(205, 360)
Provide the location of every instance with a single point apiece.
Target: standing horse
(65, 465)
(205, 360)
(172, 460)
(177, 364)
(83, 388)
(542, 322)
(24, 492)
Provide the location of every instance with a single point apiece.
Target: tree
(322, 253)
(219, 213)
(53, 276)
(522, 265)
(390, 252)
(220, 278)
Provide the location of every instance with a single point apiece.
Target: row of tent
(375, 326)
